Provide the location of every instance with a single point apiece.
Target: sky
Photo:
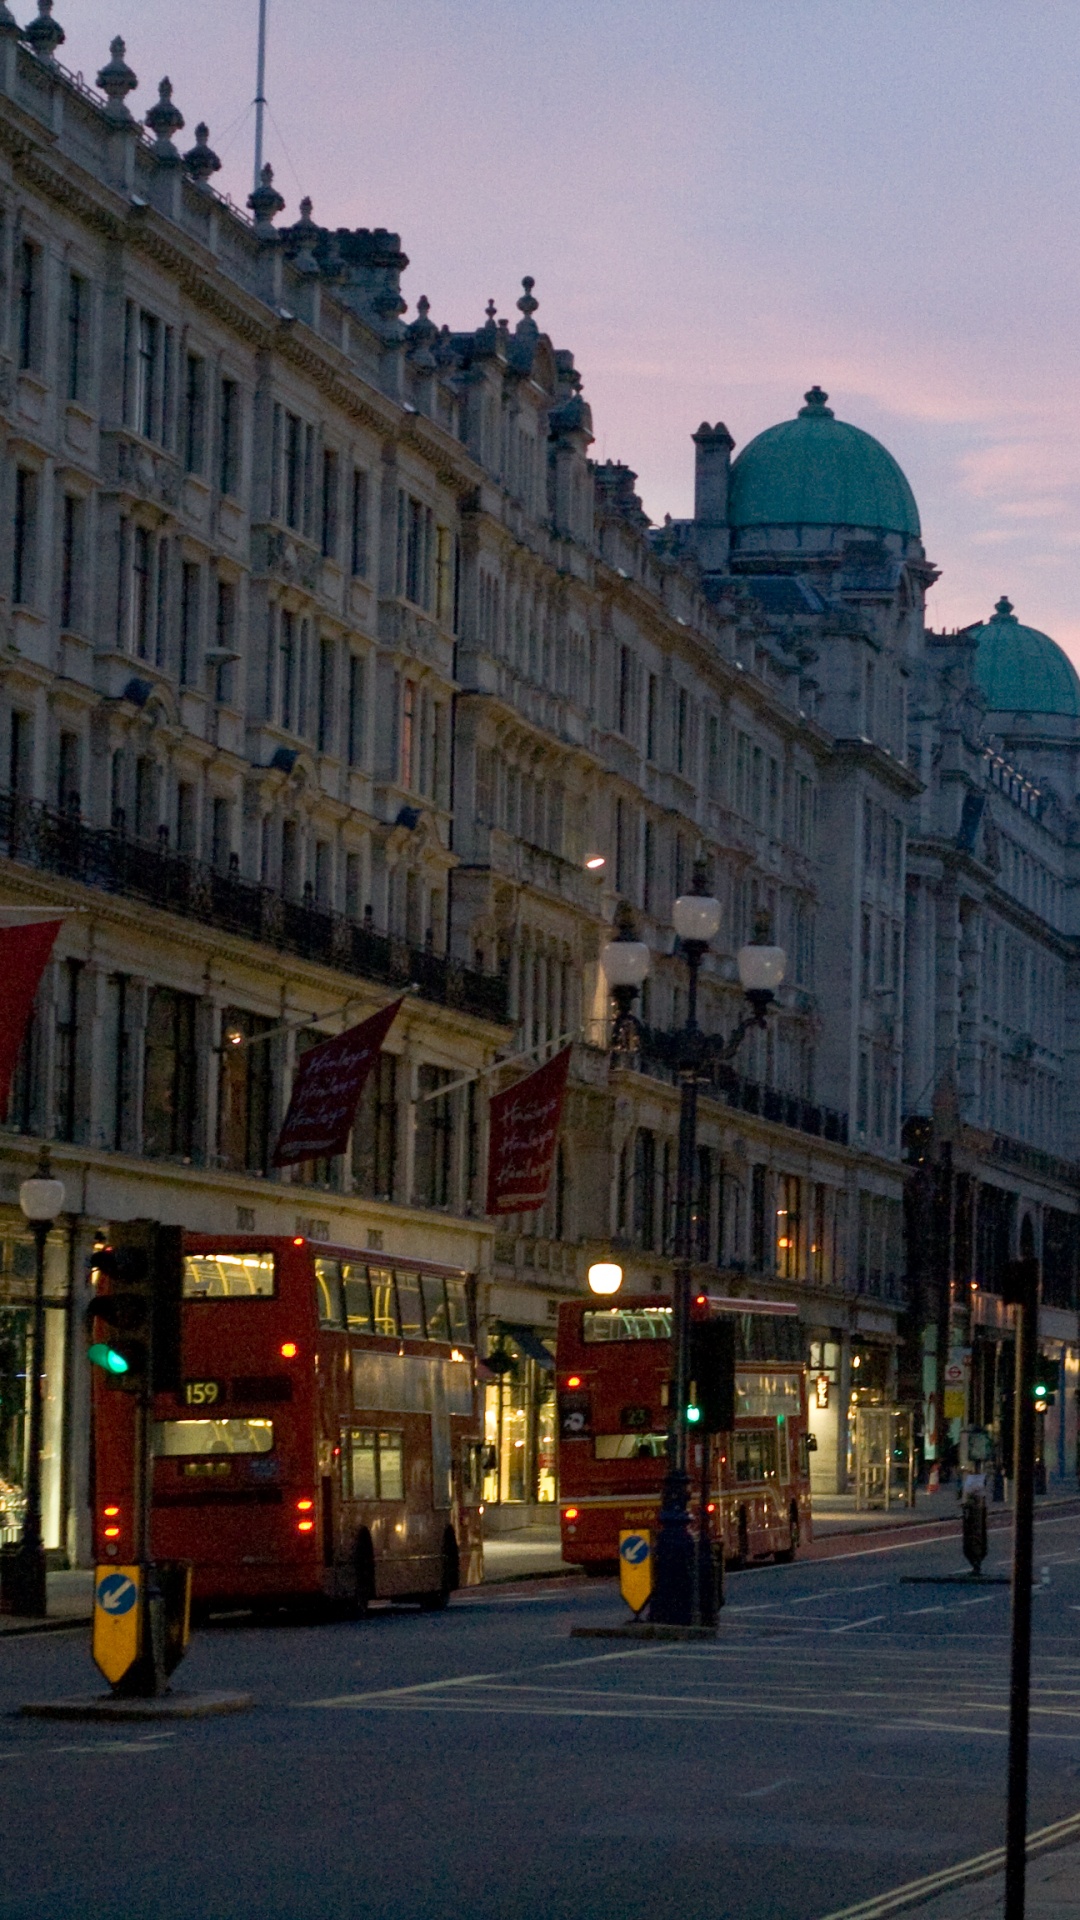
(722, 202)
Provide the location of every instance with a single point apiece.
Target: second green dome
(1020, 670)
(817, 471)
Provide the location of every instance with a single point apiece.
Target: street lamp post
(696, 918)
(22, 1570)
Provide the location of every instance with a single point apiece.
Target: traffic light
(712, 1374)
(124, 1305)
(1044, 1384)
(139, 1281)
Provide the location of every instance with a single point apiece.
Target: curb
(108, 1706)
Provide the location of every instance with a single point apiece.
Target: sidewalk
(835, 1513)
(70, 1597)
(1052, 1890)
(524, 1554)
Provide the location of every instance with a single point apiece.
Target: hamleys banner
(24, 954)
(524, 1130)
(327, 1087)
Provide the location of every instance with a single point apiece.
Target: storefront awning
(529, 1342)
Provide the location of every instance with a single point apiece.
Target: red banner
(328, 1084)
(524, 1129)
(24, 954)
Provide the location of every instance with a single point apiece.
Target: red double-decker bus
(614, 1371)
(325, 1438)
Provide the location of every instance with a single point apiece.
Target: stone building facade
(329, 662)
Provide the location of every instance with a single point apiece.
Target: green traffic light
(107, 1358)
(693, 1415)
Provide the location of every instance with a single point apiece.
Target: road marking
(762, 1793)
(981, 1600)
(874, 1587)
(909, 1613)
(981, 1864)
(850, 1625)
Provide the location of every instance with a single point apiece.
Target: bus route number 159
(201, 1393)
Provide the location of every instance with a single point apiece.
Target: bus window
(760, 1396)
(375, 1465)
(357, 1297)
(364, 1483)
(782, 1444)
(438, 1323)
(409, 1308)
(457, 1302)
(391, 1476)
(174, 1439)
(328, 1293)
(626, 1323)
(228, 1276)
(382, 1300)
(630, 1446)
(755, 1456)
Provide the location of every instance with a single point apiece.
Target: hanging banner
(24, 954)
(328, 1084)
(524, 1129)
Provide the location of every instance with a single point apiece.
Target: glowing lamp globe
(605, 1276)
(696, 916)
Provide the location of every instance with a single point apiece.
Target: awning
(529, 1342)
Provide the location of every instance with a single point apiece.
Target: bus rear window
(630, 1446)
(228, 1276)
(606, 1324)
(179, 1439)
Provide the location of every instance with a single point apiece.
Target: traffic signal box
(141, 1609)
(712, 1375)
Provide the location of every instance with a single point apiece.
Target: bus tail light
(111, 1517)
(570, 1513)
(289, 1349)
(574, 1380)
(305, 1524)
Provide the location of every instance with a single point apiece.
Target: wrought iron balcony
(63, 844)
(660, 1054)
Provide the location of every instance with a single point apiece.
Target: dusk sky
(722, 201)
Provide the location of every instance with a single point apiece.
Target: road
(846, 1733)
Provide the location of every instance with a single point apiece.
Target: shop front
(520, 1482)
(16, 1321)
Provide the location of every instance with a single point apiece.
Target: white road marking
(850, 1625)
(910, 1613)
(981, 1600)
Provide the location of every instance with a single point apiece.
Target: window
(29, 324)
(716, 764)
(228, 1276)
(758, 1236)
(245, 1090)
(290, 859)
(703, 1206)
(73, 515)
(434, 1139)
(294, 469)
(358, 540)
(445, 580)
(68, 760)
(644, 1197)
(682, 729)
(327, 694)
(788, 1226)
(67, 1039)
(221, 842)
(194, 413)
(374, 1144)
(190, 595)
(225, 641)
(329, 516)
(375, 1465)
(146, 374)
(287, 670)
(186, 817)
(169, 1074)
(229, 437)
(626, 675)
(23, 570)
(145, 797)
(20, 752)
(415, 540)
(356, 715)
(652, 718)
(408, 727)
(141, 562)
(77, 311)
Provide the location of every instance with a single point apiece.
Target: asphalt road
(845, 1734)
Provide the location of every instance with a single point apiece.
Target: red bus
(613, 1371)
(325, 1439)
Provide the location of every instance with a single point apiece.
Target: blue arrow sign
(635, 1549)
(116, 1594)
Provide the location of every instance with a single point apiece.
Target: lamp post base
(23, 1591)
(672, 1602)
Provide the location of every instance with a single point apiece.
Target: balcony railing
(659, 1055)
(62, 843)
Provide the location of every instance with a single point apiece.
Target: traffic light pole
(1023, 1290)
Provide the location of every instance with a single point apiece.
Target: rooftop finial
(45, 34)
(491, 311)
(116, 82)
(164, 119)
(1004, 610)
(527, 305)
(201, 160)
(303, 237)
(815, 408)
(265, 201)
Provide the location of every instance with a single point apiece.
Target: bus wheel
(439, 1597)
(789, 1552)
(365, 1574)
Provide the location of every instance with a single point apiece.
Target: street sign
(954, 1373)
(635, 1568)
(117, 1616)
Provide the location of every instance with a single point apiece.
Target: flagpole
(260, 93)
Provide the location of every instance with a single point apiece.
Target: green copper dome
(1020, 670)
(816, 471)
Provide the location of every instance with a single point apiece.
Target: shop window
(788, 1226)
(434, 1139)
(375, 1132)
(169, 1074)
(245, 1093)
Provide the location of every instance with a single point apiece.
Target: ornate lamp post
(22, 1570)
(696, 918)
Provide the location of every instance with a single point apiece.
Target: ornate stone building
(331, 665)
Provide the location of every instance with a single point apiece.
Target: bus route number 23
(201, 1393)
